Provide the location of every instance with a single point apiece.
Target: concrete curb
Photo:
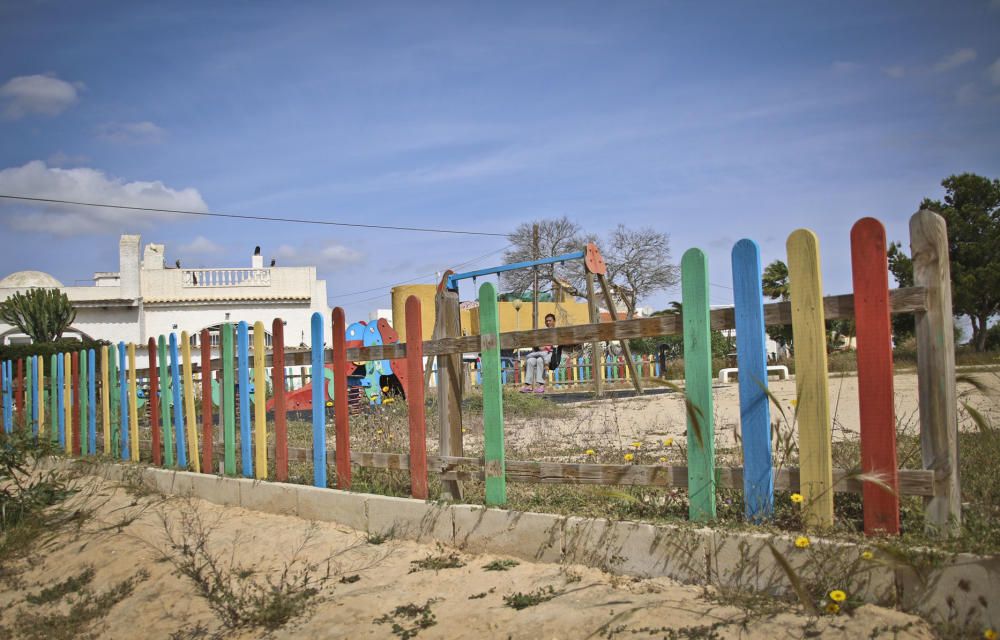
(961, 588)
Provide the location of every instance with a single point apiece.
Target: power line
(238, 216)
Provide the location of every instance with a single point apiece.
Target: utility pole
(534, 287)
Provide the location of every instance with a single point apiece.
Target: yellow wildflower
(837, 595)
(388, 401)
(797, 498)
(378, 432)
(990, 634)
(589, 452)
(795, 402)
(833, 608)
(802, 542)
(867, 555)
(385, 389)
(636, 444)
(662, 459)
(629, 457)
(668, 442)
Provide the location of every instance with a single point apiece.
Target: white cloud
(38, 94)
(956, 59)
(329, 256)
(83, 184)
(994, 71)
(138, 132)
(200, 246)
(894, 71)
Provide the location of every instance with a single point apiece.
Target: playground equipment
(366, 379)
(594, 268)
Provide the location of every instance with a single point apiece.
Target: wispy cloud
(954, 60)
(44, 95)
(132, 132)
(63, 159)
(330, 256)
(894, 71)
(83, 184)
(200, 246)
(994, 72)
(843, 67)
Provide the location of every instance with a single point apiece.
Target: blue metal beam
(455, 277)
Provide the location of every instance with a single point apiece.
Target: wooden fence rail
(75, 384)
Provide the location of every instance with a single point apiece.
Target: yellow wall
(567, 313)
(424, 293)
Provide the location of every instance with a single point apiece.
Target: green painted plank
(489, 328)
(166, 427)
(698, 385)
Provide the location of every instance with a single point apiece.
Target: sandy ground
(619, 421)
(126, 535)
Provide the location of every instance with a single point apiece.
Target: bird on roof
(178, 263)
(273, 261)
(256, 250)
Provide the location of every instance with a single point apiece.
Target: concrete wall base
(961, 588)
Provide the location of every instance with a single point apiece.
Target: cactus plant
(41, 314)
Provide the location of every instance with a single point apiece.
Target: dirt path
(650, 419)
(126, 539)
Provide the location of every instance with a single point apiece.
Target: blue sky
(710, 123)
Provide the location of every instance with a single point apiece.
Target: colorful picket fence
(82, 382)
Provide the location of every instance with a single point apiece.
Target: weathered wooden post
(936, 372)
(447, 324)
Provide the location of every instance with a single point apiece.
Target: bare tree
(556, 236)
(639, 264)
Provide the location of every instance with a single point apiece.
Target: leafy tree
(41, 314)
(901, 268)
(774, 282)
(971, 209)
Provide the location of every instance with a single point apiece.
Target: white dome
(28, 280)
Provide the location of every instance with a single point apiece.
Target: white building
(146, 298)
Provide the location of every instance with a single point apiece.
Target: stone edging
(961, 587)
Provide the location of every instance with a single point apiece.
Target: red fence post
(278, 385)
(341, 411)
(207, 437)
(154, 404)
(415, 399)
(875, 388)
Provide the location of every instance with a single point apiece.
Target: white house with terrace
(146, 298)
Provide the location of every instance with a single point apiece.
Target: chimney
(257, 260)
(128, 265)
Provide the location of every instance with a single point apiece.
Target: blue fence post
(123, 400)
(318, 403)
